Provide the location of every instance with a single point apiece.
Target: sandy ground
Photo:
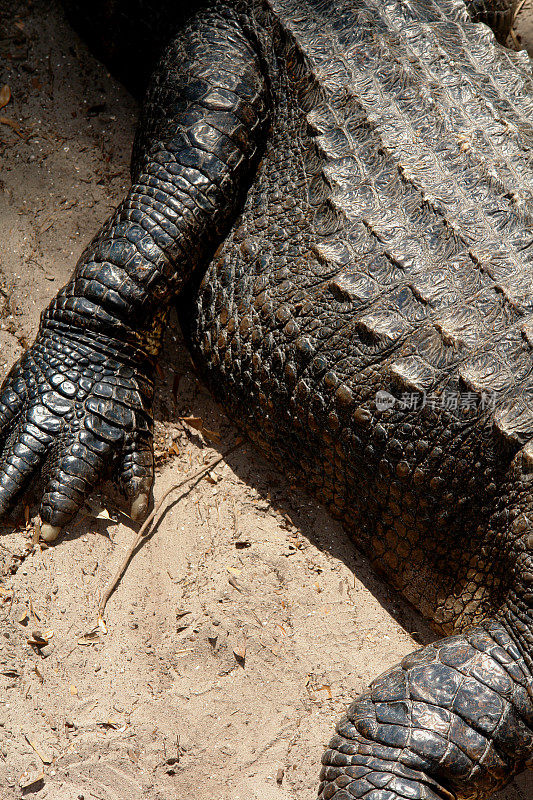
(245, 624)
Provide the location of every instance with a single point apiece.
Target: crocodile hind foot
(454, 721)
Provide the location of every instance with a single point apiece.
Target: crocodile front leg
(454, 721)
(79, 400)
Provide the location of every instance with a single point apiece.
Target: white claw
(49, 532)
(139, 507)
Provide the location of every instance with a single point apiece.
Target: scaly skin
(452, 720)
(338, 195)
(102, 331)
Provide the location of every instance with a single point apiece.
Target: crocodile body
(339, 197)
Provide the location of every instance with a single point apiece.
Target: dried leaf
(5, 95)
(73, 690)
(198, 424)
(213, 436)
(194, 422)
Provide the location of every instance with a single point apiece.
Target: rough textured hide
(339, 197)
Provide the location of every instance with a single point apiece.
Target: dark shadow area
(253, 469)
(129, 35)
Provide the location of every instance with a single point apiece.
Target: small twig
(512, 32)
(518, 9)
(14, 127)
(36, 531)
(146, 524)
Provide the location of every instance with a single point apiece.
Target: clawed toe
(49, 533)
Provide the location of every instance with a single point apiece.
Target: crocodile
(338, 198)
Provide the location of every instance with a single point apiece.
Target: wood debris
(10, 673)
(239, 651)
(14, 126)
(31, 780)
(148, 522)
(45, 758)
(112, 724)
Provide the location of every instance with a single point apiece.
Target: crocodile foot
(74, 409)
(454, 721)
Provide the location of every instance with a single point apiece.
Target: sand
(244, 625)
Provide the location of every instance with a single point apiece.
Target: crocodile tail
(453, 721)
